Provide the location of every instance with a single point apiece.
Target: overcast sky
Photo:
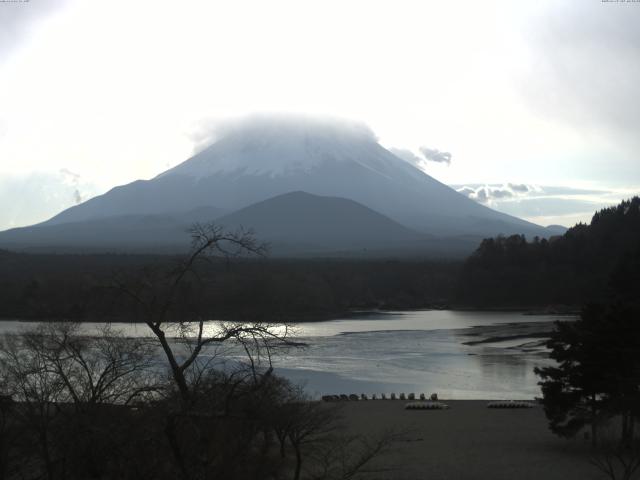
(485, 95)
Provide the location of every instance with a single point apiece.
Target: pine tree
(598, 371)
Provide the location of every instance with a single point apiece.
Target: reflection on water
(506, 367)
(418, 351)
(418, 361)
(425, 352)
(416, 320)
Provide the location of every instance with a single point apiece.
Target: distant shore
(525, 310)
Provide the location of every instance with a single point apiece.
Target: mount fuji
(263, 157)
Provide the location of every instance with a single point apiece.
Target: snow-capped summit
(278, 145)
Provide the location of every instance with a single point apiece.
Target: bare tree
(322, 448)
(308, 423)
(107, 368)
(344, 457)
(617, 459)
(29, 379)
(55, 370)
(168, 303)
(9, 433)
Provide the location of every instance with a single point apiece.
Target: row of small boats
(421, 402)
(364, 396)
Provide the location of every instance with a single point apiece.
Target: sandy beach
(470, 441)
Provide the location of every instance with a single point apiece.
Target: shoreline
(468, 441)
(528, 311)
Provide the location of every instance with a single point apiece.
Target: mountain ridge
(295, 224)
(264, 157)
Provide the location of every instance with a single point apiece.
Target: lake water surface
(458, 354)
(423, 351)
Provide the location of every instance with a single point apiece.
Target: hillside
(167, 233)
(295, 224)
(305, 223)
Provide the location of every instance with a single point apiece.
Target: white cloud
(545, 205)
(488, 194)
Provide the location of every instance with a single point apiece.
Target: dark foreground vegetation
(594, 387)
(74, 406)
(108, 407)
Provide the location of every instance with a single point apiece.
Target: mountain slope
(268, 156)
(133, 232)
(309, 223)
(116, 233)
(295, 223)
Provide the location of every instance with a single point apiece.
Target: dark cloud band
(434, 155)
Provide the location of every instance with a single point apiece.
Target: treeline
(84, 287)
(588, 263)
(584, 264)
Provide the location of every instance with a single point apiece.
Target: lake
(458, 354)
(423, 352)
